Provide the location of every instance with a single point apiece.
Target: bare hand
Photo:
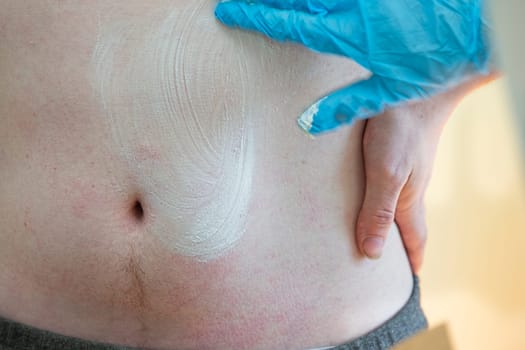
(399, 149)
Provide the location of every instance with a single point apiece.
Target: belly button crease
(137, 211)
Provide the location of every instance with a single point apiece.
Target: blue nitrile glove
(414, 48)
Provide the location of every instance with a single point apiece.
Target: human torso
(246, 239)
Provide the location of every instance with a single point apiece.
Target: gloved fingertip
(224, 12)
(306, 120)
(320, 118)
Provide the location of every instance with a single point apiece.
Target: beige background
(474, 273)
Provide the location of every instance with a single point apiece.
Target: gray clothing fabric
(408, 321)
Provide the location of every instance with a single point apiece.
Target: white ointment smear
(173, 87)
(306, 120)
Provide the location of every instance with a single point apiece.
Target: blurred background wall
(473, 277)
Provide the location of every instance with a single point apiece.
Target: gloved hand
(414, 48)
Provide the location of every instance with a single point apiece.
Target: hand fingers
(361, 100)
(412, 225)
(311, 6)
(378, 211)
(275, 23)
(329, 34)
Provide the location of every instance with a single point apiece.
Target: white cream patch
(174, 88)
(306, 120)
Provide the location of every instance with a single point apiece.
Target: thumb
(364, 99)
(377, 216)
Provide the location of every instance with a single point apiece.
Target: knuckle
(384, 217)
(423, 235)
(423, 240)
(395, 175)
(416, 240)
(420, 244)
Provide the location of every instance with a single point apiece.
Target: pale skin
(399, 146)
(399, 149)
(75, 259)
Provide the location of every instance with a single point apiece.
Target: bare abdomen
(156, 191)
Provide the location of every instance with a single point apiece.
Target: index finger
(310, 6)
(339, 33)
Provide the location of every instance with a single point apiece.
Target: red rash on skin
(27, 127)
(84, 196)
(145, 152)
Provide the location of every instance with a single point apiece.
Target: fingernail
(373, 247)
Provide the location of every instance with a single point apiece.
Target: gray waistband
(408, 321)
